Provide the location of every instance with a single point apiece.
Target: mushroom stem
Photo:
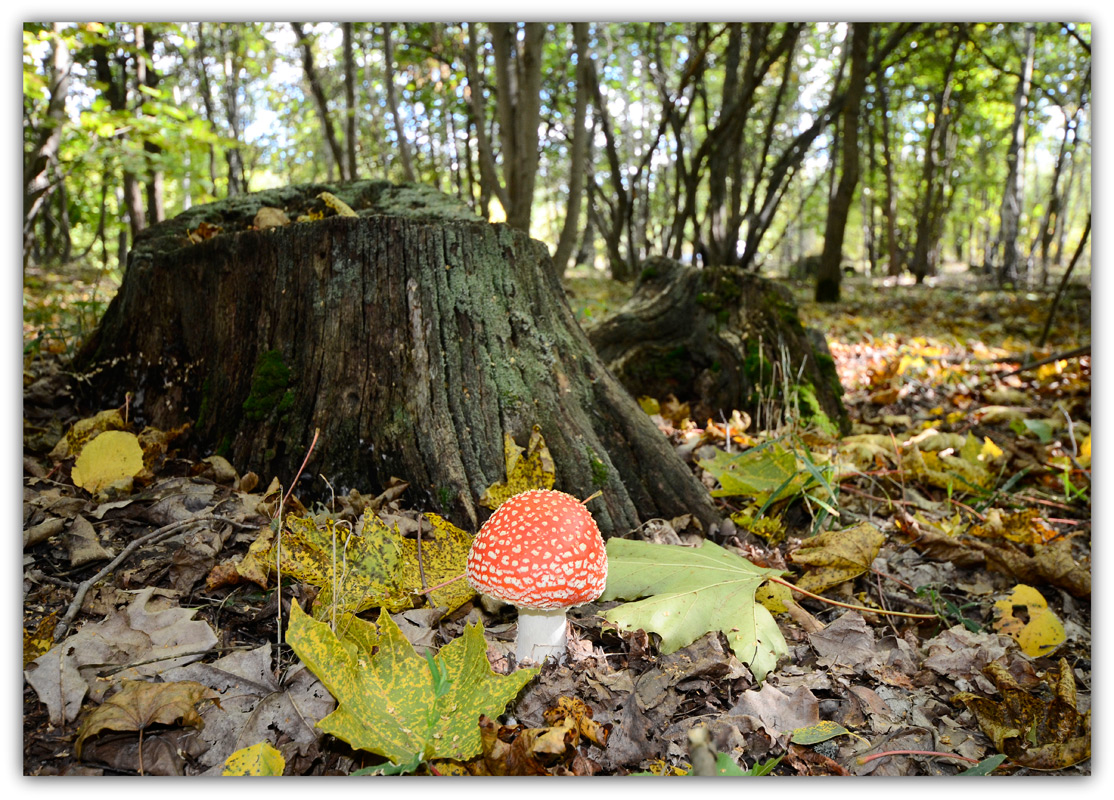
(541, 634)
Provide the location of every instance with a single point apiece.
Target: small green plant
(949, 612)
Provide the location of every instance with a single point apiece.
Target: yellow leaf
(114, 457)
(837, 556)
(84, 430)
(1085, 452)
(38, 641)
(258, 760)
(649, 405)
(990, 450)
(527, 469)
(1043, 632)
(341, 208)
(774, 596)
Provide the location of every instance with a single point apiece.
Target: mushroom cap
(540, 549)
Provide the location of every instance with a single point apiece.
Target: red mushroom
(542, 552)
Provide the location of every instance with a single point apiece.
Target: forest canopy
(725, 143)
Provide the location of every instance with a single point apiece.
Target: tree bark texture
(827, 282)
(720, 338)
(412, 341)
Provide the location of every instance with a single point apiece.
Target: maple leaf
(375, 565)
(140, 704)
(690, 591)
(392, 701)
(837, 556)
(358, 568)
(534, 470)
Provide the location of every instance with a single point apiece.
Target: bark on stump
(719, 338)
(413, 336)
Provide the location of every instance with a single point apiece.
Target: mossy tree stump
(719, 338)
(413, 336)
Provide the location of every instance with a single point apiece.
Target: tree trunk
(579, 145)
(719, 338)
(413, 342)
(392, 104)
(319, 100)
(1013, 196)
(831, 271)
(349, 99)
(36, 180)
(518, 70)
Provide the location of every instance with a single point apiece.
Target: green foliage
(689, 592)
(393, 702)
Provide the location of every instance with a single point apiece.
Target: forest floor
(962, 494)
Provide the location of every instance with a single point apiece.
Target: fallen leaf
(268, 217)
(140, 704)
(1033, 732)
(255, 703)
(691, 591)
(767, 474)
(112, 459)
(82, 543)
(837, 556)
(1041, 633)
(84, 430)
(822, 731)
(38, 641)
(526, 468)
(258, 760)
(341, 208)
(161, 635)
(392, 701)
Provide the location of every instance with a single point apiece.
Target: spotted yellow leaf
(394, 702)
(258, 760)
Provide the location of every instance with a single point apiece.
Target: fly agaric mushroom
(542, 552)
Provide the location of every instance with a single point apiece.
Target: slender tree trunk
(36, 165)
(1012, 197)
(320, 102)
(237, 181)
(934, 172)
(831, 272)
(518, 70)
(392, 104)
(349, 99)
(889, 208)
(579, 145)
(490, 185)
(146, 75)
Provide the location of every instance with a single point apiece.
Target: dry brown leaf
(140, 704)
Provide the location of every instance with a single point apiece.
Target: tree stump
(720, 338)
(413, 336)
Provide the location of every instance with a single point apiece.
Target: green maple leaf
(690, 591)
(770, 473)
(394, 702)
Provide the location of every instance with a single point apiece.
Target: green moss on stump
(269, 388)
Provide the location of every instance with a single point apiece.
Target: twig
(1064, 282)
(164, 532)
(831, 602)
(866, 759)
(1079, 351)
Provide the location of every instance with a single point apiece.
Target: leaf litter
(976, 482)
